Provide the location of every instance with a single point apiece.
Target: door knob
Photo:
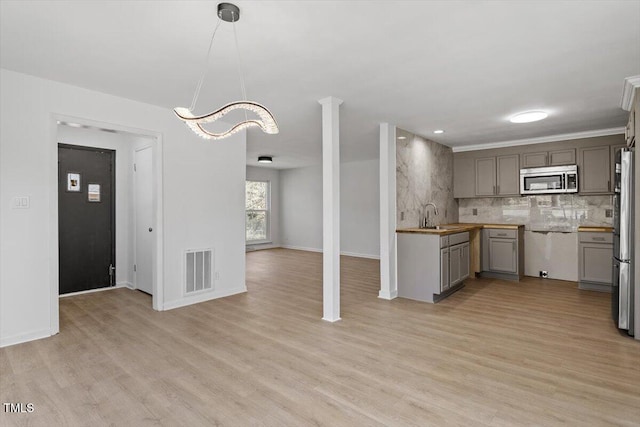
(150, 229)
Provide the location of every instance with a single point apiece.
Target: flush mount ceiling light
(528, 117)
(265, 159)
(438, 131)
(402, 137)
(229, 13)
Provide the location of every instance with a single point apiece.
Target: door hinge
(134, 168)
(135, 267)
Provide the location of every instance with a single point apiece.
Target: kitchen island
(434, 262)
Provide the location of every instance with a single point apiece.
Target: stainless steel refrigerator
(623, 286)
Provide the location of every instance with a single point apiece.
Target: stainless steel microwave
(549, 180)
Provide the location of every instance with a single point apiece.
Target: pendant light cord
(204, 72)
(235, 36)
(242, 86)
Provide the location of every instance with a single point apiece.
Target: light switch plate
(608, 213)
(21, 202)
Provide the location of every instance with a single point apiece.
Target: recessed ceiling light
(265, 159)
(402, 137)
(528, 117)
(438, 131)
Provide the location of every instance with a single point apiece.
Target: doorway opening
(122, 245)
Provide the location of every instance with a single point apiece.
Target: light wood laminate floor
(494, 354)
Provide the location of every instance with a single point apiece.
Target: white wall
(203, 197)
(301, 208)
(273, 176)
(360, 208)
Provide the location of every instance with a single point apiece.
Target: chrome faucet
(424, 222)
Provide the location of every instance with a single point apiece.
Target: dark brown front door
(86, 218)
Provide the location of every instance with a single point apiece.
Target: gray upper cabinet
(534, 160)
(614, 150)
(549, 158)
(486, 176)
(629, 130)
(594, 168)
(496, 172)
(508, 174)
(562, 157)
(464, 177)
(498, 176)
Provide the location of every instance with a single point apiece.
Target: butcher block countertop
(457, 228)
(596, 229)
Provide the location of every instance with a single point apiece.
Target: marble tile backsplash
(563, 213)
(424, 173)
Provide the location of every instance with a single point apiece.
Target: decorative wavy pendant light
(229, 13)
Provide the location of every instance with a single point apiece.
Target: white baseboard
(253, 248)
(29, 336)
(90, 291)
(357, 255)
(128, 285)
(353, 254)
(301, 248)
(195, 299)
(387, 295)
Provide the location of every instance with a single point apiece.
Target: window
(257, 211)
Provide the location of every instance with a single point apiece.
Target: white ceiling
(460, 66)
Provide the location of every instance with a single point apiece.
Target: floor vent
(198, 268)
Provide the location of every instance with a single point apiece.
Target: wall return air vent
(198, 269)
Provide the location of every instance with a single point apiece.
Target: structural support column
(331, 208)
(388, 283)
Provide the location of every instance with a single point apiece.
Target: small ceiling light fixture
(528, 117)
(402, 137)
(265, 159)
(438, 131)
(229, 13)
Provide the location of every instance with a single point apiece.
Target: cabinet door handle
(608, 185)
(494, 189)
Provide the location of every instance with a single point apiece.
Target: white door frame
(157, 260)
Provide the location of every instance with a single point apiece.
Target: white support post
(388, 260)
(331, 208)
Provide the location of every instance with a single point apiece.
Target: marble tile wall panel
(563, 213)
(424, 173)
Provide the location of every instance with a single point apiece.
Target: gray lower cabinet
(458, 263)
(595, 261)
(503, 253)
(444, 269)
(454, 265)
(431, 266)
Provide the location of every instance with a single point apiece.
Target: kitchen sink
(442, 227)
